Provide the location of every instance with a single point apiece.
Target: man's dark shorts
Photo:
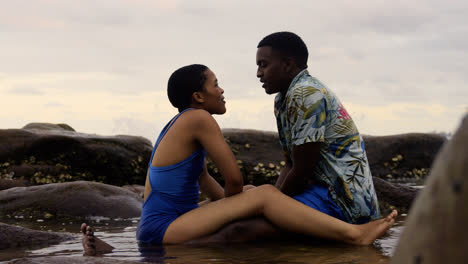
(318, 197)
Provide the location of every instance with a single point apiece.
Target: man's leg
(92, 245)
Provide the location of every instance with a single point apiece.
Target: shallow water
(120, 233)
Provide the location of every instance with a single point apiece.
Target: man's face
(272, 70)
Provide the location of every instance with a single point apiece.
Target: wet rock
(406, 155)
(70, 260)
(260, 158)
(15, 236)
(71, 199)
(390, 157)
(255, 146)
(10, 183)
(138, 189)
(258, 155)
(394, 196)
(46, 153)
(48, 126)
(435, 228)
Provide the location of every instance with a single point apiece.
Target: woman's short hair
(183, 83)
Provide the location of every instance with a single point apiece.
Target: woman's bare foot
(92, 245)
(368, 233)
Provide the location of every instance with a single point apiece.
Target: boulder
(47, 153)
(394, 196)
(71, 199)
(402, 156)
(260, 158)
(435, 228)
(258, 154)
(138, 189)
(390, 157)
(48, 126)
(15, 236)
(10, 183)
(254, 146)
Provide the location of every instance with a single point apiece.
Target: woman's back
(178, 143)
(173, 188)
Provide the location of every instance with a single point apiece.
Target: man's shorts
(318, 197)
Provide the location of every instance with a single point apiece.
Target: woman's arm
(208, 134)
(210, 186)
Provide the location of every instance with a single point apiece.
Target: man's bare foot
(88, 241)
(369, 232)
(92, 245)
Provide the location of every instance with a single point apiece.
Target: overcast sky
(102, 66)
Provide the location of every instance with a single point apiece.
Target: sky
(102, 66)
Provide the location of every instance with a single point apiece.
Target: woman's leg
(278, 208)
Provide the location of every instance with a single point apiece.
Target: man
(326, 163)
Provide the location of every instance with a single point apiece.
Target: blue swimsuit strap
(164, 131)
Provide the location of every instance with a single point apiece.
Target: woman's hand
(248, 187)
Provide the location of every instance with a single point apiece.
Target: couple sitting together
(324, 191)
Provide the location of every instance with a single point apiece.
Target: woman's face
(213, 95)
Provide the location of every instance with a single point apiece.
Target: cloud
(135, 126)
(24, 90)
(110, 60)
(55, 104)
(396, 118)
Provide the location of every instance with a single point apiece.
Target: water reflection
(264, 253)
(121, 234)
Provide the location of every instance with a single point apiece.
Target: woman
(177, 171)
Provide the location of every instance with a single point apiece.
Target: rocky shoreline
(42, 153)
(44, 173)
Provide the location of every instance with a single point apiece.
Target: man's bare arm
(293, 180)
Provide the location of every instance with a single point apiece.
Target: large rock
(15, 236)
(71, 199)
(260, 158)
(397, 156)
(48, 126)
(258, 154)
(47, 153)
(394, 196)
(405, 155)
(435, 228)
(10, 183)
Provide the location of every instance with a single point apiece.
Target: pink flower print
(343, 113)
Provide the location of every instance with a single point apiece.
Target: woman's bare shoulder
(197, 113)
(198, 117)
(199, 120)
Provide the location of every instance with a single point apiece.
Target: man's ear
(289, 64)
(198, 97)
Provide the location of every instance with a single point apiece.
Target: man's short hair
(289, 44)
